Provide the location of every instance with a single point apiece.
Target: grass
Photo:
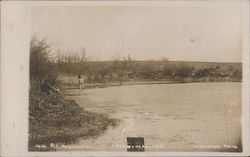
(56, 119)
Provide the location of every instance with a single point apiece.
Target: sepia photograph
(136, 77)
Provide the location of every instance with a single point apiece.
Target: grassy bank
(56, 119)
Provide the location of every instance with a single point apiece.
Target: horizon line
(158, 60)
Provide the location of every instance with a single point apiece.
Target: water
(170, 117)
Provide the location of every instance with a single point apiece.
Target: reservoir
(170, 117)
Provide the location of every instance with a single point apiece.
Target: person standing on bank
(81, 82)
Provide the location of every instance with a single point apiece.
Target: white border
(15, 35)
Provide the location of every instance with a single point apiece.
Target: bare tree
(41, 66)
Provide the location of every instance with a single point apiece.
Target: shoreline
(111, 84)
(57, 119)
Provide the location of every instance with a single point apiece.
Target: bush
(184, 70)
(41, 66)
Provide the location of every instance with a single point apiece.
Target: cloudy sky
(144, 32)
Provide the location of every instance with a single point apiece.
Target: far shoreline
(126, 83)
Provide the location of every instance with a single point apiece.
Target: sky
(183, 33)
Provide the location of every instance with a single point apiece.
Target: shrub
(41, 66)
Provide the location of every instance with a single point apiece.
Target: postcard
(125, 78)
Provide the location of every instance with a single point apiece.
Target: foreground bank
(56, 119)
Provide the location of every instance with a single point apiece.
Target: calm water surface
(170, 117)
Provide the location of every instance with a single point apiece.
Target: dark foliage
(42, 67)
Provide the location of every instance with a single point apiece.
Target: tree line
(47, 65)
